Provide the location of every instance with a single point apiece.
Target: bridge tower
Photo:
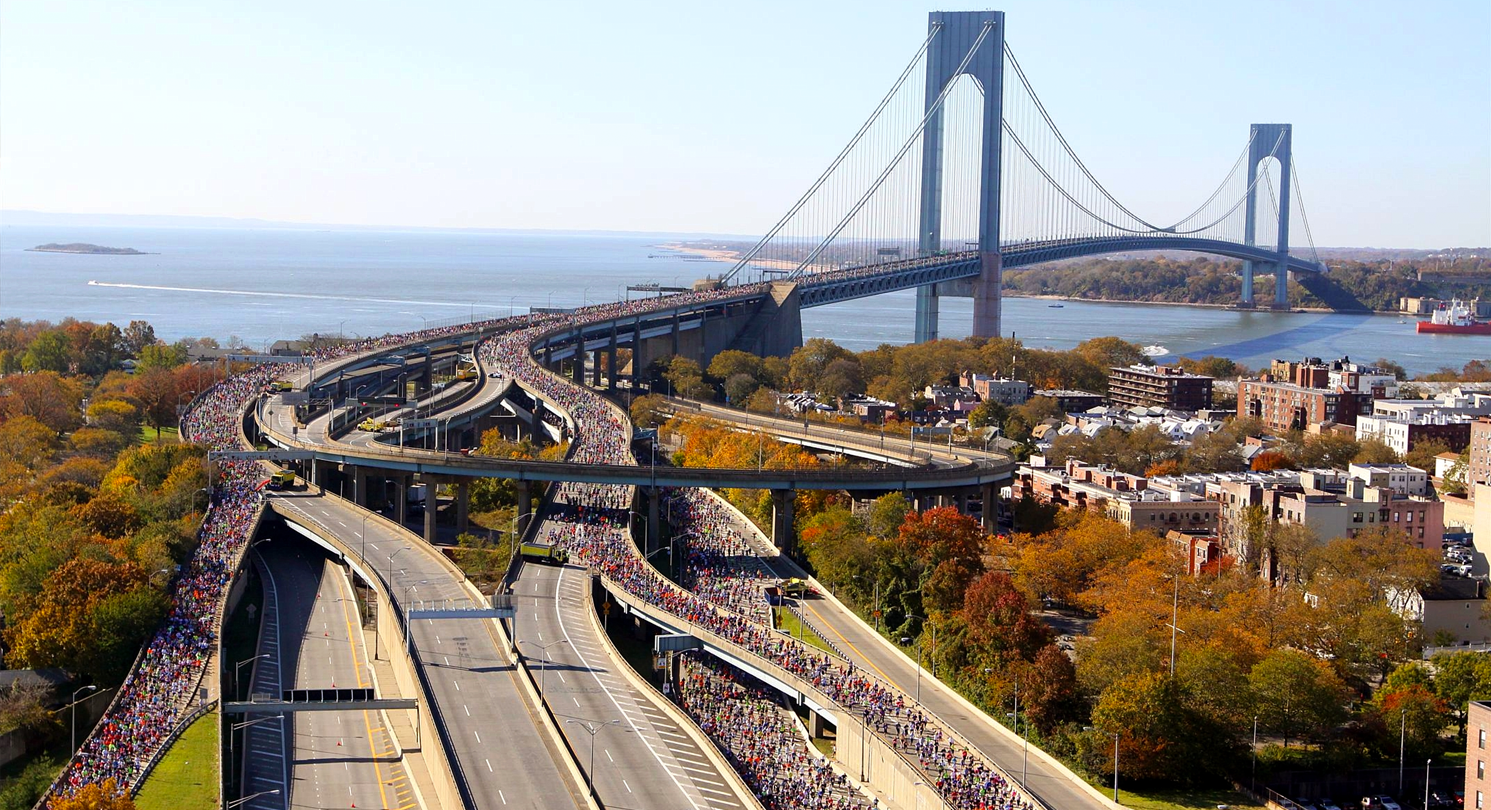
(1268, 140)
(959, 31)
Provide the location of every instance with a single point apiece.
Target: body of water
(263, 285)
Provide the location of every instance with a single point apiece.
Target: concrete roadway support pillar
(636, 354)
(654, 526)
(675, 333)
(427, 376)
(360, 486)
(401, 499)
(782, 503)
(463, 504)
(989, 494)
(595, 369)
(611, 361)
(988, 296)
(525, 504)
(432, 503)
(577, 367)
(1246, 301)
(816, 725)
(1281, 286)
(961, 500)
(536, 427)
(926, 313)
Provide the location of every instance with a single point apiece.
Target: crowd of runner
(162, 687)
(586, 525)
(156, 695)
(764, 741)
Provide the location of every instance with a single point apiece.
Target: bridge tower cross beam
(960, 30)
(1269, 140)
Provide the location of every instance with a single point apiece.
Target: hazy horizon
(700, 119)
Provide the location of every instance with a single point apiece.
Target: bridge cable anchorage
(837, 161)
(911, 141)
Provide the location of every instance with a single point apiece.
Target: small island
(84, 247)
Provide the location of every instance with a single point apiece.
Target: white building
(1400, 478)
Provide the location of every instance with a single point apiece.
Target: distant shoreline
(722, 255)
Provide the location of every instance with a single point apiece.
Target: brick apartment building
(1479, 469)
(1164, 386)
(1294, 396)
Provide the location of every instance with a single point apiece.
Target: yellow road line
(357, 669)
(836, 632)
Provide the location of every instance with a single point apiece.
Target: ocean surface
(263, 285)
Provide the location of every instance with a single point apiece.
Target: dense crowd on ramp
(163, 686)
(763, 740)
(591, 525)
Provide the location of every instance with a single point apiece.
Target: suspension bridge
(958, 174)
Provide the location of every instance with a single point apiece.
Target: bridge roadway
(275, 421)
(646, 761)
(498, 744)
(338, 758)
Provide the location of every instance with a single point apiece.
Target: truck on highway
(374, 425)
(281, 386)
(283, 479)
(544, 552)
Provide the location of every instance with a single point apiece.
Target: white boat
(1154, 350)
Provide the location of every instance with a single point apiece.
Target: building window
(1480, 769)
(1481, 739)
(1409, 518)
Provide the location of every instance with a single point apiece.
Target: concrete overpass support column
(675, 333)
(463, 505)
(816, 725)
(401, 499)
(782, 533)
(432, 503)
(577, 367)
(360, 486)
(525, 503)
(989, 494)
(595, 369)
(637, 354)
(961, 500)
(926, 313)
(611, 361)
(654, 525)
(1246, 300)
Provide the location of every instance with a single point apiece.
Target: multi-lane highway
(642, 758)
(337, 758)
(502, 752)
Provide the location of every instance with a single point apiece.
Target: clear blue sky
(711, 117)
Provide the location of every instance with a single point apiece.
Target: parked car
(1327, 804)
(1305, 804)
(1387, 803)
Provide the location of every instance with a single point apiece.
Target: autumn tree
(1051, 696)
(1421, 716)
(1159, 737)
(646, 412)
(137, 336)
(1297, 696)
(1270, 460)
(809, 361)
(46, 396)
(157, 392)
(104, 795)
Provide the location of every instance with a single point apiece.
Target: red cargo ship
(1454, 318)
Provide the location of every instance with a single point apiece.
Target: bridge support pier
(927, 305)
(611, 361)
(783, 501)
(401, 499)
(988, 295)
(577, 367)
(1281, 286)
(654, 525)
(595, 369)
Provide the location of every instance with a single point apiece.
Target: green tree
(887, 513)
(1297, 696)
(739, 387)
(1421, 715)
(1110, 352)
(137, 336)
(731, 362)
(808, 362)
(49, 351)
(647, 412)
(988, 414)
(159, 356)
(686, 378)
(1159, 738)
(1375, 451)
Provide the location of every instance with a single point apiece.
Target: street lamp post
(594, 729)
(907, 640)
(543, 679)
(232, 727)
(928, 622)
(247, 799)
(1426, 783)
(238, 668)
(73, 722)
(1114, 735)
(1402, 741)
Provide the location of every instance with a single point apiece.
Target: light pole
(594, 729)
(232, 727)
(907, 640)
(928, 623)
(1402, 740)
(543, 679)
(1174, 622)
(1254, 776)
(407, 650)
(73, 722)
(1426, 783)
(237, 668)
(247, 799)
(1114, 735)
(339, 329)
